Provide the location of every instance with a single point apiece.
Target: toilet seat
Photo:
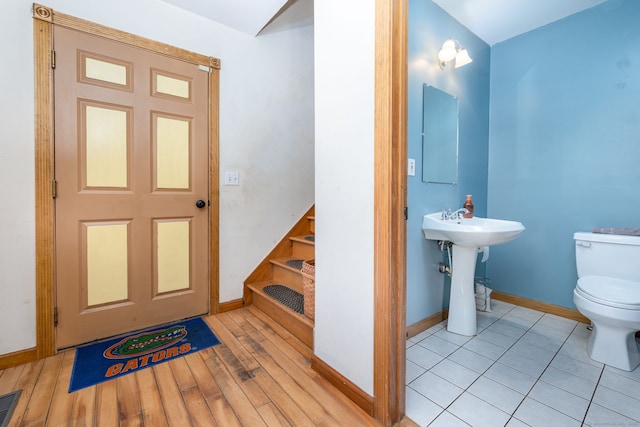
(609, 291)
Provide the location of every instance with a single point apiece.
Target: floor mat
(286, 296)
(8, 403)
(112, 358)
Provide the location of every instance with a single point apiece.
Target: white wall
(344, 58)
(266, 133)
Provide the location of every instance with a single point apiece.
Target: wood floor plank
(198, 409)
(82, 414)
(212, 394)
(302, 398)
(272, 416)
(244, 410)
(107, 404)
(128, 400)
(9, 379)
(182, 373)
(177, 415)
(240, 363)
(62, 401)
(153, 411)
(289, 360)
(256, 377)
(40, 401)
(26, 383)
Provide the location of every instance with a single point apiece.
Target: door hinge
(53, 59)
(406, 212)
(54, 188)
(55, 316)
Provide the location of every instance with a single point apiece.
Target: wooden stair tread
(301, 239)
(282, 262)
(298, 324)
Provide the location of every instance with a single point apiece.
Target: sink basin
(472, 232)
(467, 235)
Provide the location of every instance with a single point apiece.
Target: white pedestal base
(462, 303)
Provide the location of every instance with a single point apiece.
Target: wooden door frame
(390, 200)
(44, 61)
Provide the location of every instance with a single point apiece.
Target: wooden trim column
(45, 227)
(390, 199)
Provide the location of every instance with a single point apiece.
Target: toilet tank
(609, 255)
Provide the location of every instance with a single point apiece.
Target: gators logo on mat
(146, 342)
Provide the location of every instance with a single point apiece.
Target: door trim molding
(44, 20)
(390, 199)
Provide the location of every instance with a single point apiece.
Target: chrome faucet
(448, 215)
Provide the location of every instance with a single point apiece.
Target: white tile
(455, 373)
(436, 389)
(571, 383)
(420, 409)
(501, 307)
(484, 348)
(496, 338)
(514, 422)
(477, 412)
(507, 328)
(634, 375)
(600, 416)
(423, 357)
(532, 351)
(620, 384)
(446, 419)
(618, 402)
(438, 345)
(471, 360)
(526, 313)
(548, 331)
(557, 322)
(560, 400)
(579, 353)
(519, 321)
(536, 338)
(498, 395)
(413, 371)
(419, 337)
(536, 414)
(451, 337)
(532, 367)
(435, 328)
(511, 378)
(576, 367)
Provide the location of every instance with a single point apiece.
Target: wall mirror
(439, 136)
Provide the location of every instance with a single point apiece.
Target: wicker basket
(309, 289)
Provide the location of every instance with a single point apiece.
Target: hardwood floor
(259, 376)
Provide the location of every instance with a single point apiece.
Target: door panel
(131, 159)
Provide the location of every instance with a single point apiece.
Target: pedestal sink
(468, 235)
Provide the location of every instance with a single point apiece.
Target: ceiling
(498, 20)
(491, 20)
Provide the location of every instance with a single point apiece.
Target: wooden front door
(132, 173)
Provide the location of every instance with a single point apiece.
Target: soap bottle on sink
(468, 205)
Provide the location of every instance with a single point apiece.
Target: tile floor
(524, 368)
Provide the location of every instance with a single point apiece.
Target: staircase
(283, 267)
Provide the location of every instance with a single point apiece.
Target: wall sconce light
(452, 52)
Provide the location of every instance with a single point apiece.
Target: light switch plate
(232, 178)
(412, 167)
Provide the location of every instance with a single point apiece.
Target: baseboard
(424, 324)
(230, 305)
(18, 358)
(346, 387)
(540, 306)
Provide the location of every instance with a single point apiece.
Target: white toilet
(608, 294)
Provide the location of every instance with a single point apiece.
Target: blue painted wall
(429, 27)
(564, 150)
